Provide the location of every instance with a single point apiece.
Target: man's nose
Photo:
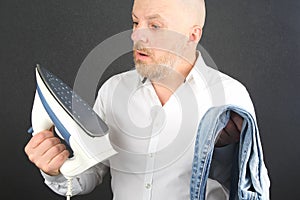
(140, 34)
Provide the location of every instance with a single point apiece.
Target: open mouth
(141, 55)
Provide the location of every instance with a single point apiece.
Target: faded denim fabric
(249, 177)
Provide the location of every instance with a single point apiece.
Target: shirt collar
(196, 68)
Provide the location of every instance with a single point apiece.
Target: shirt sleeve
(81, 184)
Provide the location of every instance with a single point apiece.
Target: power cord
(69, 190)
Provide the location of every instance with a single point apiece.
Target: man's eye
(154, 26)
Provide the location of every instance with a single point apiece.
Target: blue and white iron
(56, 104)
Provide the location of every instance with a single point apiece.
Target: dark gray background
(255, 41)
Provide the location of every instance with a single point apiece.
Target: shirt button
(148, 186)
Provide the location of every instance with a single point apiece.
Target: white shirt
(155, 143)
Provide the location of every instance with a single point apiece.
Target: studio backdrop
(256, 42)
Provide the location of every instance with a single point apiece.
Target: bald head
(195, 11)
(192, 11)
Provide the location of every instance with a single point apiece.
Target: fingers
(52, 164)
(46, 145)
(47, 152)
(52, 151)
(231, 133)
(38, 138)
(226, 137)
(237, 119)
(222, 139)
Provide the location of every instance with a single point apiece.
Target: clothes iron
(56, 104)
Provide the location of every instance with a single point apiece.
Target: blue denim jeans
(249, 176)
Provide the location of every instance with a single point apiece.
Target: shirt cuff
(58, 179)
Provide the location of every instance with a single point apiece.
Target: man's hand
(231, 133)
(47, 152)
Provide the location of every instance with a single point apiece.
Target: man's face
(160, 34)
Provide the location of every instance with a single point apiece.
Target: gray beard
(153, 71)
(158, 70)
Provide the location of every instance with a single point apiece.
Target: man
(153, 111)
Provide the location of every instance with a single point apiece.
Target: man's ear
(195, 34)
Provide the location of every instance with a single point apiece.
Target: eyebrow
(155, 16)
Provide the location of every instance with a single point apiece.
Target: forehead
(165, 8)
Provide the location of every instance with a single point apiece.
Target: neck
(166, 86)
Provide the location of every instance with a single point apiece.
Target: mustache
(140, 47)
